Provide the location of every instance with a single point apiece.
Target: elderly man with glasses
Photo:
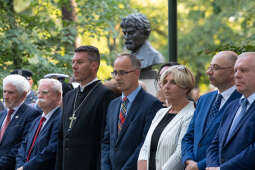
(209, 110)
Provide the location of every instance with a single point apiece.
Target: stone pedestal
(148, 76)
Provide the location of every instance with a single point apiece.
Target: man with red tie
(15, 120)
(128, 117)
(38, 150)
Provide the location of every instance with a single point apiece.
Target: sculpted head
(136, 29)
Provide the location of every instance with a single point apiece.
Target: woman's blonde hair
(182, 77)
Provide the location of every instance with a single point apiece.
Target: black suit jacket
(79, 147)
(14, 134)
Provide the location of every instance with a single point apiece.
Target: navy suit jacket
(197, 139)
(14, 134)
(238, 153)
(43, 155)
(121, 152)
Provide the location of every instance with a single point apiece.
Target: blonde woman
(162, 147)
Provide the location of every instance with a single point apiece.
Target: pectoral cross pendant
(72, 118)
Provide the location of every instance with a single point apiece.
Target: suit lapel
(242, 121)
(15, 117)
(49, 122)
(116, 112)
(137, 103)
(217, 118)
(2, 118)
(204, 116)
(44, 130)
(228, 123)
(32, 134)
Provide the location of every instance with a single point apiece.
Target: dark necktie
(36, 135)
(214, 110)
(123, 112)
(6, 123)
(238, 117)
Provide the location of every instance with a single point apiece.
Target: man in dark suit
(128, 117)
(233, 147)
(31, 97)
(15, 120)
(84, 112)
(38, 150)
(209, 111)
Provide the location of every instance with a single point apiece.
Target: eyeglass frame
(121, 72)
(215, 67)
(43, 92)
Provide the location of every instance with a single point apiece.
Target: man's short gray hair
(20, 82)
(55, 84)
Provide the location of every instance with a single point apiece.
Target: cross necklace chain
(73, 117)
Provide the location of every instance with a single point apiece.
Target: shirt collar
(15, 108)
(132, 95)
(83, 87)
(47, 116)
(227, 92)
(251, 98)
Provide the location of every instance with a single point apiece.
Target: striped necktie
(123, 112)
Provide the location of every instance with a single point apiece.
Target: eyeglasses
(120, 73)
(215, 67)
(44, 92)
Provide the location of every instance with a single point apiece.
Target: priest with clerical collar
(84, 110)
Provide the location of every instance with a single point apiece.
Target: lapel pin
(16, 117)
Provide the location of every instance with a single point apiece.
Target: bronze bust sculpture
(136, 29)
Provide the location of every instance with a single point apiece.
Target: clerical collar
(83, 87)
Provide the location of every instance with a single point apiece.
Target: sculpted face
(134, 38)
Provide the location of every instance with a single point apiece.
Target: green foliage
(206, 27)
(37, 38)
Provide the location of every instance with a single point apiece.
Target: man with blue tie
(209, 111)
(15, 120)
(128, 117)
(233, 147)
(38, 150)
